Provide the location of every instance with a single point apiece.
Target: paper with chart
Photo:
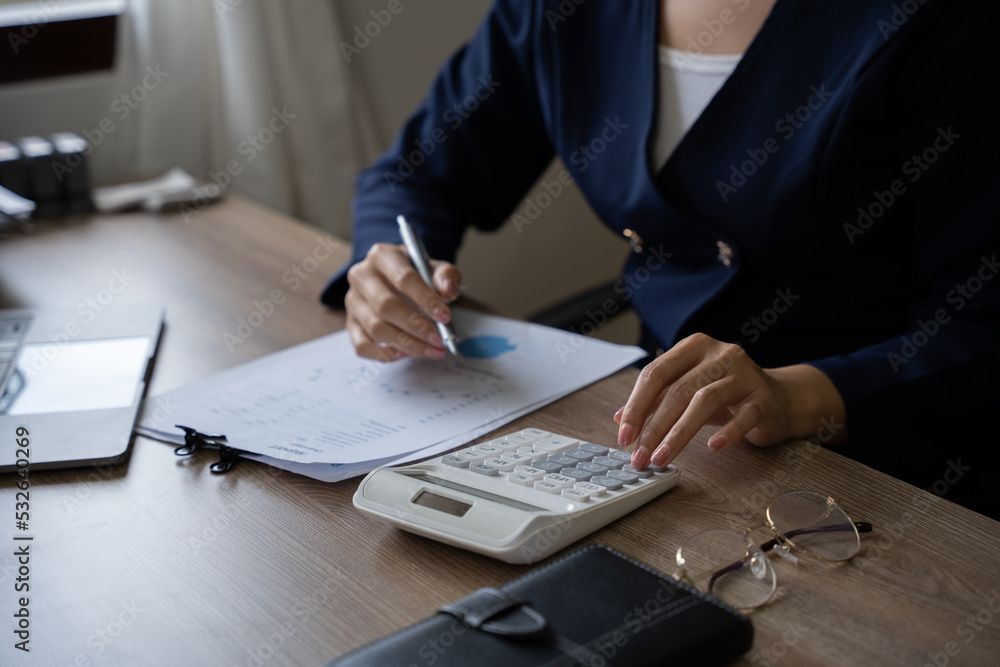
(319, 403)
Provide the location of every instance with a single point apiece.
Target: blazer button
(634, 240)
(726, 254)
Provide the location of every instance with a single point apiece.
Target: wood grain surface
(160, 562)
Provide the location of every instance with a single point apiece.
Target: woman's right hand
(389, 306)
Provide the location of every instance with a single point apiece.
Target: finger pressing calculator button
(609, 483)
(501, 464)
(626, 477)
(483, 469)
(593, 449)
(560, 480)
(574, 495)
(579, 454)
(593, 467)
(620, 455)
(521, 480)
(609, 462)
(457, 461)
(548, 487)
(577, 474)
(595, 490)
(644, 473)
(530, 471)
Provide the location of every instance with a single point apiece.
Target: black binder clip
(193, 441)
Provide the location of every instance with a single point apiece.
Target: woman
(814, 220)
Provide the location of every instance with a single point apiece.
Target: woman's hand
(390, 307)
(702, 381)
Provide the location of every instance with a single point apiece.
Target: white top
(688, 82)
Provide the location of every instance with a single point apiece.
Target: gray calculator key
(593, 467)
(620, 455)
(627, 477)
(483, 469)
(644, 473)
(608, 483)
(457, 461)
(547, 466)
(564, 460)
(577, 474)
(593, 449)
(656, 468)
(580, 454)
(609, 462)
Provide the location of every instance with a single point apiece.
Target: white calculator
(517, 498)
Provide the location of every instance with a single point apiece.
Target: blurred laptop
(75, 379)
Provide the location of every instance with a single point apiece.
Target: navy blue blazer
(835, 204)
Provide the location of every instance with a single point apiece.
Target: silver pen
(418, 255)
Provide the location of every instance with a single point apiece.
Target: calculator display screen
(441, 504)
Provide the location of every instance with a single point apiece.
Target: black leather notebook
(594, 607)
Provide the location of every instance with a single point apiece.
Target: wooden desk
(159, 562)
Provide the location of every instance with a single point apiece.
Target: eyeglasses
(731, 568)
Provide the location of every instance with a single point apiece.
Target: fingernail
(441, 315)
(661, 455)
(717, 442)
(452, 289)
(618, 413)
(436, 353)
(640, 458)
(624, 435)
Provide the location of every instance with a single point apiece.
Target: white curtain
(258, 99)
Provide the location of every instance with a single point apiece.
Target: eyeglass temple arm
(860, 526)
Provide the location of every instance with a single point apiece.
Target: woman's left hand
(701, 381)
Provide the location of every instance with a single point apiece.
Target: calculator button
(556, 444)
(535, 454)
(472, 455)
(488, 449)
(644, 473)
(564, 460)
(560, 480)
(609, 483)
(609, 462)
(548, 466)
(620, 455)
(577, 474)
(535, 433)
(579, 454)
(530, 471)
(457, 461)
(483, 469)
(656, 468)
(548, 487)
(504, 445)
(592, 467)
(519, 459)
(522, 480)
(573, 494)
(519, 440)
(595, 490)
(593, 449)
(501, 464)
(626, 477)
